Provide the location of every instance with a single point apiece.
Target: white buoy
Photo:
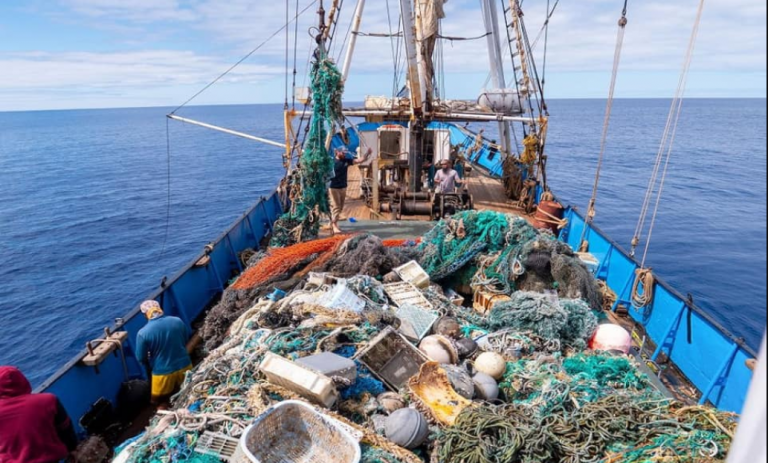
(611, 338)
(485, 387)
(492, 364)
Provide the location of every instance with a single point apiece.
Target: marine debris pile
(469, 345)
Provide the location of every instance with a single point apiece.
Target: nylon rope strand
(168, 193)
(295, 57)
(667, 144)
(244, 58)
(606, 124)
(287, 51)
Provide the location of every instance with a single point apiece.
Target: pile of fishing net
(556, 401)
(567, 321)
(309, 196)
(502, 253)
(585, 408)
(284, 268)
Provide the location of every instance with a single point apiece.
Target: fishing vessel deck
(488, 194)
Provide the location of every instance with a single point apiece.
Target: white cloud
(115, 70)
(582, 37)
(141, 11)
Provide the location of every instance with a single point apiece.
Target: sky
(68, 54)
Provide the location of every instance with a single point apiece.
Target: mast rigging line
(168, 198)
(244, 58)
(667, 144)
(606, 123)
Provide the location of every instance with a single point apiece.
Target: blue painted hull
(712, 359)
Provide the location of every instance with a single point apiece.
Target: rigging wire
(168, 192)
(295, 57)
(248, 55)
(546, 46)
(667, 144)
(392, 42)
(287, 51)
(346, 37)
(545, 26)
(606, 123)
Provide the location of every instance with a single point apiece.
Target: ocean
(83, 206)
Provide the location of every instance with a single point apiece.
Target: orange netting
(280, 261)
(398, 243)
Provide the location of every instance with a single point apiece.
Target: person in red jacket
(34, 428)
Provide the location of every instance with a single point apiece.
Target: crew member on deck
(338, 190)
(446, 178)
(34, 428)
(161, 346)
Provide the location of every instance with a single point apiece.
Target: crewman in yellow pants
(161, 346)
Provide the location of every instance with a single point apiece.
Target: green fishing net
(568, 321)
(309, 197)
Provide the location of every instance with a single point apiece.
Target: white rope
(667, 144)
(606, 122)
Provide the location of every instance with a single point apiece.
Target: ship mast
(417, 80)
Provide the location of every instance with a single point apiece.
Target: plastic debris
(555, 400)
(407, 428)
(301, 380)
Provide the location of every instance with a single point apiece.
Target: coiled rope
(643, 289)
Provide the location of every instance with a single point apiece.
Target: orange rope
(280, 261)
(399, 243)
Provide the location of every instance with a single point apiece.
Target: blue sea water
(83, 198)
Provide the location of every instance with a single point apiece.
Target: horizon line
(351, 102)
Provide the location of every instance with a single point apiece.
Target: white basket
(294, 432)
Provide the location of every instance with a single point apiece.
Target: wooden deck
(488, 194)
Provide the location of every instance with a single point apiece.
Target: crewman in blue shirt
(161, 346)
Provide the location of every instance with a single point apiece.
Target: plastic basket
(293, 432)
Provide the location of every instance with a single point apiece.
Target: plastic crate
(218, 445)
(392, 359)
(590, 261)
(307, 383)
(415, 321)
(341, 297)
(414, 274)
(294, 432)
(406, 293)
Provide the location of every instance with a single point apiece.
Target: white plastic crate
(218, 445)
(294, 432)
(307, 383)
(405, 293)
(590, 261)
(341, 297)
(415, 321)
(414, 274)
